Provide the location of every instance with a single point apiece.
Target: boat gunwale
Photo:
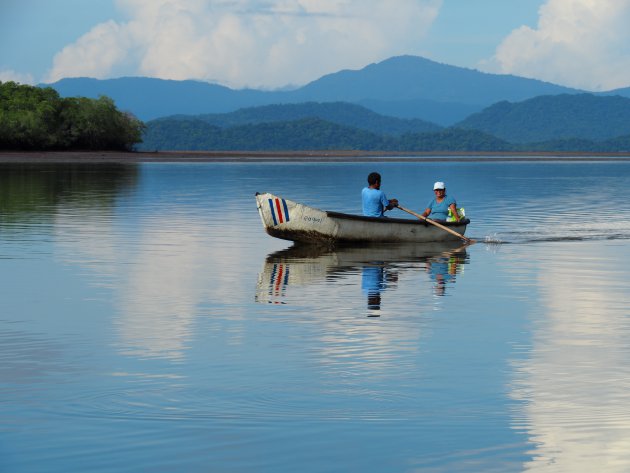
(406, 221)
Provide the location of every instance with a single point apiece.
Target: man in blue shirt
(375, 203)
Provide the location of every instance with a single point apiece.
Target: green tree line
(306, 134)
(318, 134)
(555, 117)
(34, 118)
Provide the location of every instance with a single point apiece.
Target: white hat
(439, 185)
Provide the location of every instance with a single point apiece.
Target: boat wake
(496, 240)
(492, 239)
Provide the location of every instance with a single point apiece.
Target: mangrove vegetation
(35, 118)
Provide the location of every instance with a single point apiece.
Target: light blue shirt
(439, 211)
(374, 202)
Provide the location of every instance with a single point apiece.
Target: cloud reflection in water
(575, 385)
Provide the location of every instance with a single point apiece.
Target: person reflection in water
(374, 279)
(443, 270)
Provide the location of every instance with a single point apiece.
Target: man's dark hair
(373, 178)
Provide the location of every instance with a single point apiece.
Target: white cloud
(95, 54)
(578, 43)
(246, 42)
(13, 76)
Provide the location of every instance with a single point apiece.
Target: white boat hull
(288, 220)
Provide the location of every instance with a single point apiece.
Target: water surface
(148, 323)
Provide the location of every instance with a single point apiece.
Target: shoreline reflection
(379, 268)
(37, 191)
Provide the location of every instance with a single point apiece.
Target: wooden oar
(439, 225)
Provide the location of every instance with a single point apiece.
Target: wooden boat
(288, 220)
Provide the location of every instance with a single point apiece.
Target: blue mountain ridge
(553, 117)
(402, 86)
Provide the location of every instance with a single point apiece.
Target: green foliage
(317, 134)
(559, 117)
(569, 123)
(303, 134)
(306, 134)
(341, 113)
(452, 139)
(33, 118)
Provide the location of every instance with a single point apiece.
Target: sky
(269, 44)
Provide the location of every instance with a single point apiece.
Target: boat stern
(292, 221)
(273, 210)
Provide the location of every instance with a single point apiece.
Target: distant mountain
(403, 86)
(625, 92)
(555, 117)
(442, 113)
(340, 113)
(302, 134)
(149, 98)
(405, 78)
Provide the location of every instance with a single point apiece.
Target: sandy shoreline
(284, 156)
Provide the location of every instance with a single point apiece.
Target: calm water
(147, 323)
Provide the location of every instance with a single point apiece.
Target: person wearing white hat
(438, 207)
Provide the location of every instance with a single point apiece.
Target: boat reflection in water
(379, 267)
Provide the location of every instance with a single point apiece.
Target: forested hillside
(402, 86)
(555, 117)
(341, 113)
(305, 134)
(318, 134)
(34, 118)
